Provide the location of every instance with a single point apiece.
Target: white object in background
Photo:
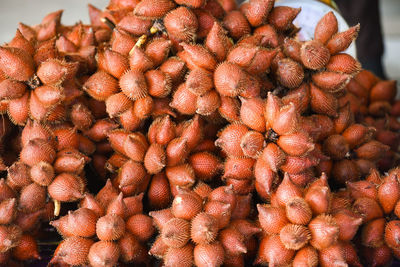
(311, 12)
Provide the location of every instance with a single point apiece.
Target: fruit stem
(153, 30)
(57, 207)
(141, 41)
(108, 22)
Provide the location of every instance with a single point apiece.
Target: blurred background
(32, 11)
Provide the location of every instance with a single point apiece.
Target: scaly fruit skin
(114, 219)
(377, 200)
(216, 221)
(191, 113)
(301, 222)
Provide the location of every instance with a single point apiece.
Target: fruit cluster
(205, 121)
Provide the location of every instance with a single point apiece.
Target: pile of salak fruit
(196, 133)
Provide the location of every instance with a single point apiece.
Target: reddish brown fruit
(239, 168)
(197, 56)
(251, 113)
(5, 191)
(175, 233)
(327, 26)
(8, 210)
(296, 144)
(232, 241)
(32, 198)
(266, 35)
(81, 222)
(81, 116)
(307, 256)
(336, 147)
(37, 150)
(27, 249)
(181, 24)
(298, 211)
(368, 208)
(281, 17)
(257, 11)
(155, 159)
(141, 226)
(11, 89)
(175, 68)
(150, 9)
(348, 224)
(273, 252)
(179, 256)
(186, 205)
(323, 102)
(204, 228)
(219, 210)
(208, 103)
(392, 234)
(236, 24)
(389, 193)
(294, 236)
(159, 194)
(18, 109)
(273, 156)
(286, 191)
(341, 41)
(372, 234)
(101, 85)
(254, 59)
(181, 175)
(16, 63)
(229, 79)
(377, 256)
(332, 255)
(117, 104)
(73, 250)
(91, 203)
(135, 25)
(184, 100)
(110, 227)
(272, 219)
(161, 217)
(17, 177)
(343, 63)
(66, 187)
(373, 150)
(331, 81)
(314, 55)
(157, 50)
(289, 73)
(138, 60)
(230, 137)
(103, 253)
(218, 42)
(177, 151)
(324, 231)
(205, 20)
(318, 196)
(22, 42)
(286, 121)
(252, 144)
(209, 254)
(159, 83)
(199, 81)
(205, 165)
(133, 84)
(129, 248)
